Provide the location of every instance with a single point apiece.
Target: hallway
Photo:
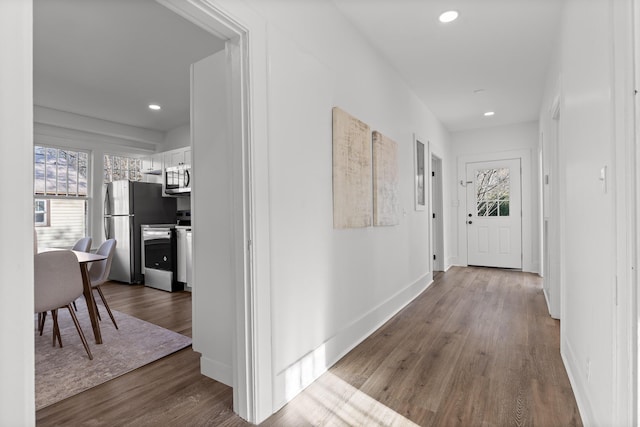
(477, 348)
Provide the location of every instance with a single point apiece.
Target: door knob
(469, 222)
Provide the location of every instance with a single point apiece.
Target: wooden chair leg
(95, 304)
(56, 328)
(82, 338)
(104, 301)
(41, 319)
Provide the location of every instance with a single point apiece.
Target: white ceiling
(110, 58)
(501, 46)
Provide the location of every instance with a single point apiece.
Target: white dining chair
(99, 272)
(83, 245)
(57, 283)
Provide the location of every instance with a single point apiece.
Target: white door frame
(252, 374)
(437, 212)
(527, 198)
(17, 402)
(627, 49)
(553, 214)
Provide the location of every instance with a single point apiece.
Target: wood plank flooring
(478, 348)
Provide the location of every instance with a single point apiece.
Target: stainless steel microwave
(177, 180)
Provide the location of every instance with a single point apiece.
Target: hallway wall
(330, 288)
(590, 79)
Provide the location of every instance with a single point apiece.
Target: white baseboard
(216, 370)
(546, 299)
(580, 393)
(535, 268)
(553, 314)
(296, 377)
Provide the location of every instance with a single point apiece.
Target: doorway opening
(234, 146)
(240, 329)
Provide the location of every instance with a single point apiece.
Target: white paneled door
(494, 214)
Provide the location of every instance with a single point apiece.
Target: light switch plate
(603, 178)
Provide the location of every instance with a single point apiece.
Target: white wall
(178, 137)
(517, 140)
(594, 227)
(17, 407)
(331, 288)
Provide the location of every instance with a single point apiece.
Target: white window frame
(59, 193)
(45, 211)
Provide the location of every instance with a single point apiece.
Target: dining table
(84, 259)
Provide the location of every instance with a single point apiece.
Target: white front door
(494, 214)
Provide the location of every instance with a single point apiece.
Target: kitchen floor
(170, 391)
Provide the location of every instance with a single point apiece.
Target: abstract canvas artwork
(386, 202)
(352, 207)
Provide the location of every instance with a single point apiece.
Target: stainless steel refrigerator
(128, 205)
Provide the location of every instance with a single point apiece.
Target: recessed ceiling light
(489, 113)
(154, 107)
(448, 16)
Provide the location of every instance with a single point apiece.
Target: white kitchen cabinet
(187, 156)
(184, 252)
(177, 157)
(181, 156)
(173, 158)
(152, 164)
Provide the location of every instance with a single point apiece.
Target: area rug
(64, 372)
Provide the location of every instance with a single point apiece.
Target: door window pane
(492, 192)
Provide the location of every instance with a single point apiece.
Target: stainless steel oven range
(160, 258)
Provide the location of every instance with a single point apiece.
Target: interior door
(213, 223)
(494, 213)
